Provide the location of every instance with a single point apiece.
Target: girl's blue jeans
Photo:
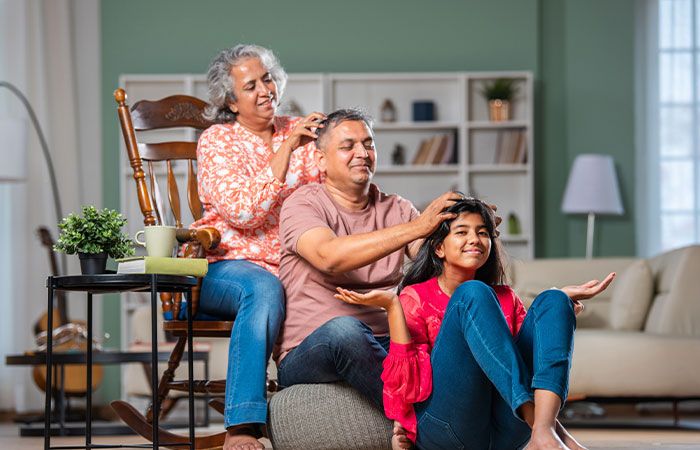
(255, 298)
(482, 374)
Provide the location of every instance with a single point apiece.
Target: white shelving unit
(460, 109)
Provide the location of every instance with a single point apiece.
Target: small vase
(499, 110)
(93, 263)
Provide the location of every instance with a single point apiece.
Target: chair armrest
(207, 237)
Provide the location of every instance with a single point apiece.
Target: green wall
(581, 52)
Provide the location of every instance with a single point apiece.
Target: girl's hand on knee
(399, 440)
(587, 290)
(383, 299)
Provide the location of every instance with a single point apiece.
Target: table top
(98, 357)
(120, 282)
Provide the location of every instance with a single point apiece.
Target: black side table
(116, 283)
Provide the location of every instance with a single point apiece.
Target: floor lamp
(12, 134)
(592, 189)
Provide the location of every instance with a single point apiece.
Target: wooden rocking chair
(178, 111)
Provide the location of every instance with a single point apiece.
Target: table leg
(62, 401)
(154, 359)
(88, 390)
(49, 368)
(190, 369)
(206, 395)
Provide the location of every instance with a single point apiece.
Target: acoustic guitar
(69, 336)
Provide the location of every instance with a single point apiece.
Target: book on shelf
(521, 156)
(423, 151)
(196, 267)
(435, 143)
(511, 147)
(449, 156)
(438, 149)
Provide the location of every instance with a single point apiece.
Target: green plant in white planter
(94, 236)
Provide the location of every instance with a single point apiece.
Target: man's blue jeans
(342, 349)
(255, 298)
(482, 375)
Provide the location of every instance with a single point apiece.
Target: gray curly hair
(220, 81)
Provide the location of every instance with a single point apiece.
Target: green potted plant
(94, 236)
(499, 93)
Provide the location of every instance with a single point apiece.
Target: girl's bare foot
(568, 439)
(241, 437)
(545, 438)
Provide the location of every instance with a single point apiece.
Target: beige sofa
(641, 337)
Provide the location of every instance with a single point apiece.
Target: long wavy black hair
(427, 264)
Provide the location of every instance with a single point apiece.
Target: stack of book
(196, 267)
(511, 147)
(438, 149)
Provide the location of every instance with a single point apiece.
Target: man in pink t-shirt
(344, 233)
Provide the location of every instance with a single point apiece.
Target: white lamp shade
(592, 187)
(13, 149)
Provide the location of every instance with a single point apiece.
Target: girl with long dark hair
(468, 367)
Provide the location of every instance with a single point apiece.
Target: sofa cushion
(631, 297)
(675, 308)
(610, 363)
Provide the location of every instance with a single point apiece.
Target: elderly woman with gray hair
(247, 164)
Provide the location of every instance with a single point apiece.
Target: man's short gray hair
(220, 82)
(339, 116)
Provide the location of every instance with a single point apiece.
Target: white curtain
(41, 50)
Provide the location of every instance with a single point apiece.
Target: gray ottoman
(330, 416)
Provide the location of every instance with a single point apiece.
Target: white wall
(50, 51)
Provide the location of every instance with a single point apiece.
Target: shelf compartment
(507, 146)
(370, 94)
(478, 109)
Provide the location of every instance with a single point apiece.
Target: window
(674, 158)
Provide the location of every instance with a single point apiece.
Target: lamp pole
(589, 235)
(47, 158)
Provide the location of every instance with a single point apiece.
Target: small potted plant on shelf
(94, 236)
(499, 93)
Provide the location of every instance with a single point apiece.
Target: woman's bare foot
(568, 439)
(241, 437)
(545, 438)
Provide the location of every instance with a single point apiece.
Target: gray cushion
(631, 297)
(326, 416)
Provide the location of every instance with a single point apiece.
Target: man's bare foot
(568, 439)
(240, 437)
(545, 438)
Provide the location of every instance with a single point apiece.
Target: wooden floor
(593, 438)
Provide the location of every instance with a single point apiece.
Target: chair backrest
(177, 111)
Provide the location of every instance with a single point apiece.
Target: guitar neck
(48, 242)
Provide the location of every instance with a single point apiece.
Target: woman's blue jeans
(255, 298)
(482, 374)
